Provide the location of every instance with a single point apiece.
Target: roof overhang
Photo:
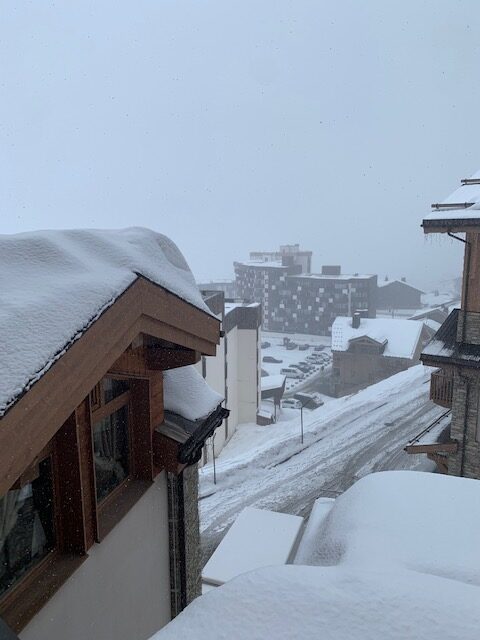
(37, 414)
(451, 225)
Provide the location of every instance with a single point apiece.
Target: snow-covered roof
(386, 570)
(270, 264)
(54, 284)
(257, 538)
(272, 382)
(186, 393)
(401, 336)
(328, 276)
(386, 283)
(464, 201)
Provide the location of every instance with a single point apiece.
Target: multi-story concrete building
(229, 287)
(288, 254)
(454, 441)
(235, 371)
(301, 302)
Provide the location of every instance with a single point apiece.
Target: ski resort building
(367, 350)
(235, 371)
(398, 294)
(102, 421)
(297, 302)
(455, 348)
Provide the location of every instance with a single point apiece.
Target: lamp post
(304, 404)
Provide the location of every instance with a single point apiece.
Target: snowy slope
(54, 284)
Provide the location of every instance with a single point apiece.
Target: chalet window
(27, 532)
(111, 451)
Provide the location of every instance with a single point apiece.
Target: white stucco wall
(122, 590)
(247, 375)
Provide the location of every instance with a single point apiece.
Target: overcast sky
(238, 125)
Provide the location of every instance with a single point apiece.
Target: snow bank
(186, 393)
(54, 284)
(330, 603)
(425, 522)
(401, 336)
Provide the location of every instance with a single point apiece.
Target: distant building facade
(298, 302)
(398, 294)
(366, 351)
(235, 370)
(229, 287)
(288, 254)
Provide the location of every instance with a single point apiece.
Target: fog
(234, 126)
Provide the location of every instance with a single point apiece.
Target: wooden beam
(159, 359)
(446, 447)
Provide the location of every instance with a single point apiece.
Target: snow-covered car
(291, 403)
(271, 359)
(290, 372)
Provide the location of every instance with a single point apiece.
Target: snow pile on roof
(402, 336)
(403, 283)
(272, 382)
(403, 562)
(427, 523)
(54, 284)
(468, 194)
(257, 538)
(186, 393)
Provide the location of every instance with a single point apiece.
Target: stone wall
(465, 411)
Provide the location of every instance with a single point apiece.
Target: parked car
(301, 367)
(265, 344)
(313, 359)
(303, 347)
(290, 372)
(307, 365)
(271, 359)
(319, 347)
(291, 403)
(309, 400)
(291, 345)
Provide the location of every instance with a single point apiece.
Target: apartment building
(290, 254)
(298, 302)
(235, 371)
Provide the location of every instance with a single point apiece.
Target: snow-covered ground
(347, 438)
(395, 557)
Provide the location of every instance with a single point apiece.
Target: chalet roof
(443, 348)
(387, 283)
(56, 284)
(400, 336)
(269, 383)
(459, 211)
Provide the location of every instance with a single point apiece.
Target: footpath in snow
(347, 438)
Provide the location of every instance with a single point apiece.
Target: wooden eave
(438, 447)
(451, 225)
(38, 414)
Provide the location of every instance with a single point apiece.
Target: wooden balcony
(441, 388)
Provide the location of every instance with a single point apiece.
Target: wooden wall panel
(87, 474)
(141, 432)
(156, 399)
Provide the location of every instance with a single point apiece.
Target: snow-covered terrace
(394, 557)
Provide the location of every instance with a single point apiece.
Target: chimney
(356, 320)
(404, 279)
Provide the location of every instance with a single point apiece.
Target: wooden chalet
(455, 349)
(98, 500)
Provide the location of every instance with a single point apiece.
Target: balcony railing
(441, 389)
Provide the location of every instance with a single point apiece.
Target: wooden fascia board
(454, 225)
(32, 422)
(446, 447)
